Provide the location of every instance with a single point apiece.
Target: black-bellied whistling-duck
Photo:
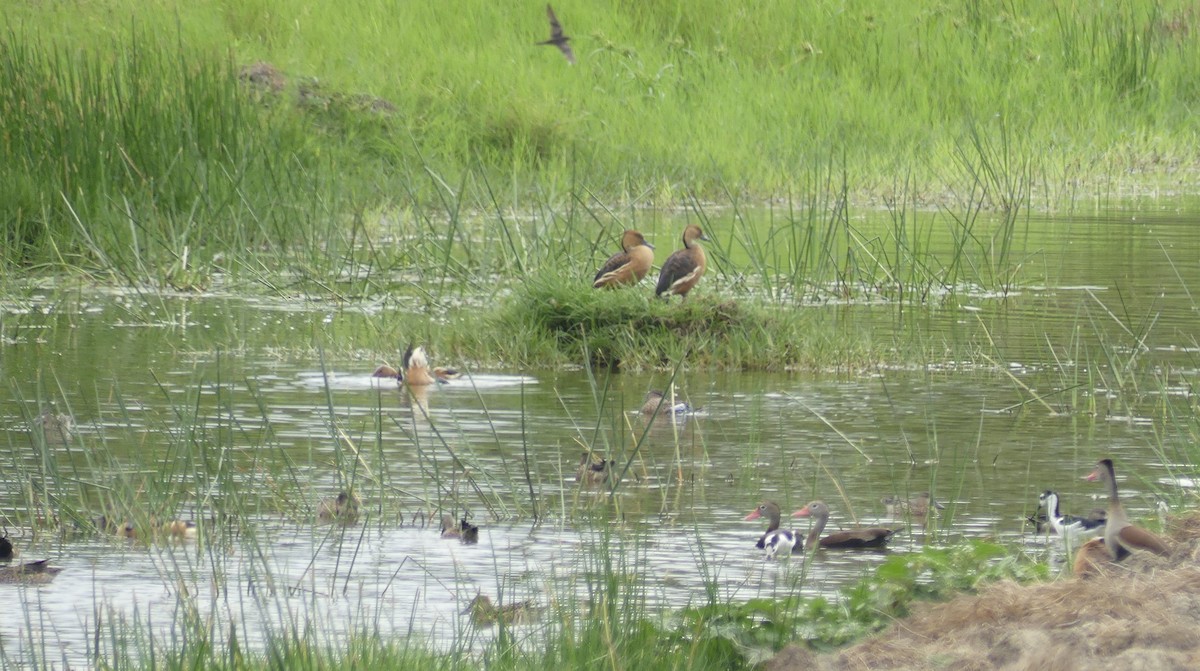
(1092, 558)
(861, 537)
(342, 509)
(654, 401)
(683, 269)
(1071, 528)
(918, 505)
(775, 541)
(1118, 530)
(629, 265)
(557, 38)
(591, 471)
(485, 613)
(35, 573)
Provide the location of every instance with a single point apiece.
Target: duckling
(683, 269)
(417, 372)
(654, 402)
(484, 613)
(590, 471)
(33, 573)
(342, 508)
(628, 266)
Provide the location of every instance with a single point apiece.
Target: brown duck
(683, 269)
(591, 471)
(417, 372)
(33, 573)
(628, 266)
(1119, 532)
(860, 537)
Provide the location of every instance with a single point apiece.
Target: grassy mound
(630, 329)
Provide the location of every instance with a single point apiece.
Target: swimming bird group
(776, 542)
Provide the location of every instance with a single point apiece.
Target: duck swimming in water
(859, 537)
(774, 542)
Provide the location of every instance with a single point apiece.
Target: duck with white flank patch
(775, 542)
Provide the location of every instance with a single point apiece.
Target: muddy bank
(1142, 614)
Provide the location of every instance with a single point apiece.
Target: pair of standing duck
(681, 271)
(783, 542)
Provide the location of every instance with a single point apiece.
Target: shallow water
(236, 400)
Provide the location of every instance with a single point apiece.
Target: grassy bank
(130, 143)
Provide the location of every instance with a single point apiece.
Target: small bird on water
(557, 38)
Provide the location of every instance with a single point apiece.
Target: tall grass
(128, 143)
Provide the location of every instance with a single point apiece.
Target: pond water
(188, 404)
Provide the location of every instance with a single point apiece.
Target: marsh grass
(134, 146)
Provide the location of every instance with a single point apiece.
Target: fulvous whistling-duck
(683, 269)
(629, 265)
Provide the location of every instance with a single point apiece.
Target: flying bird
(557, 38)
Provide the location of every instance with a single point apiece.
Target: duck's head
(693, 233)
(631, 238)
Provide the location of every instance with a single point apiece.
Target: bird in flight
(557, 38)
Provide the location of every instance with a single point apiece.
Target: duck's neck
(814, 536)
(774, 522)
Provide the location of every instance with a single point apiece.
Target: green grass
(128, 144)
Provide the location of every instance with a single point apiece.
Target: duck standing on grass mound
(860, 537)
(628, 266)
(683, 269)
(1119, 532)
(775, 541)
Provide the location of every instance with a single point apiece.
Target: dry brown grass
(1144, 613)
